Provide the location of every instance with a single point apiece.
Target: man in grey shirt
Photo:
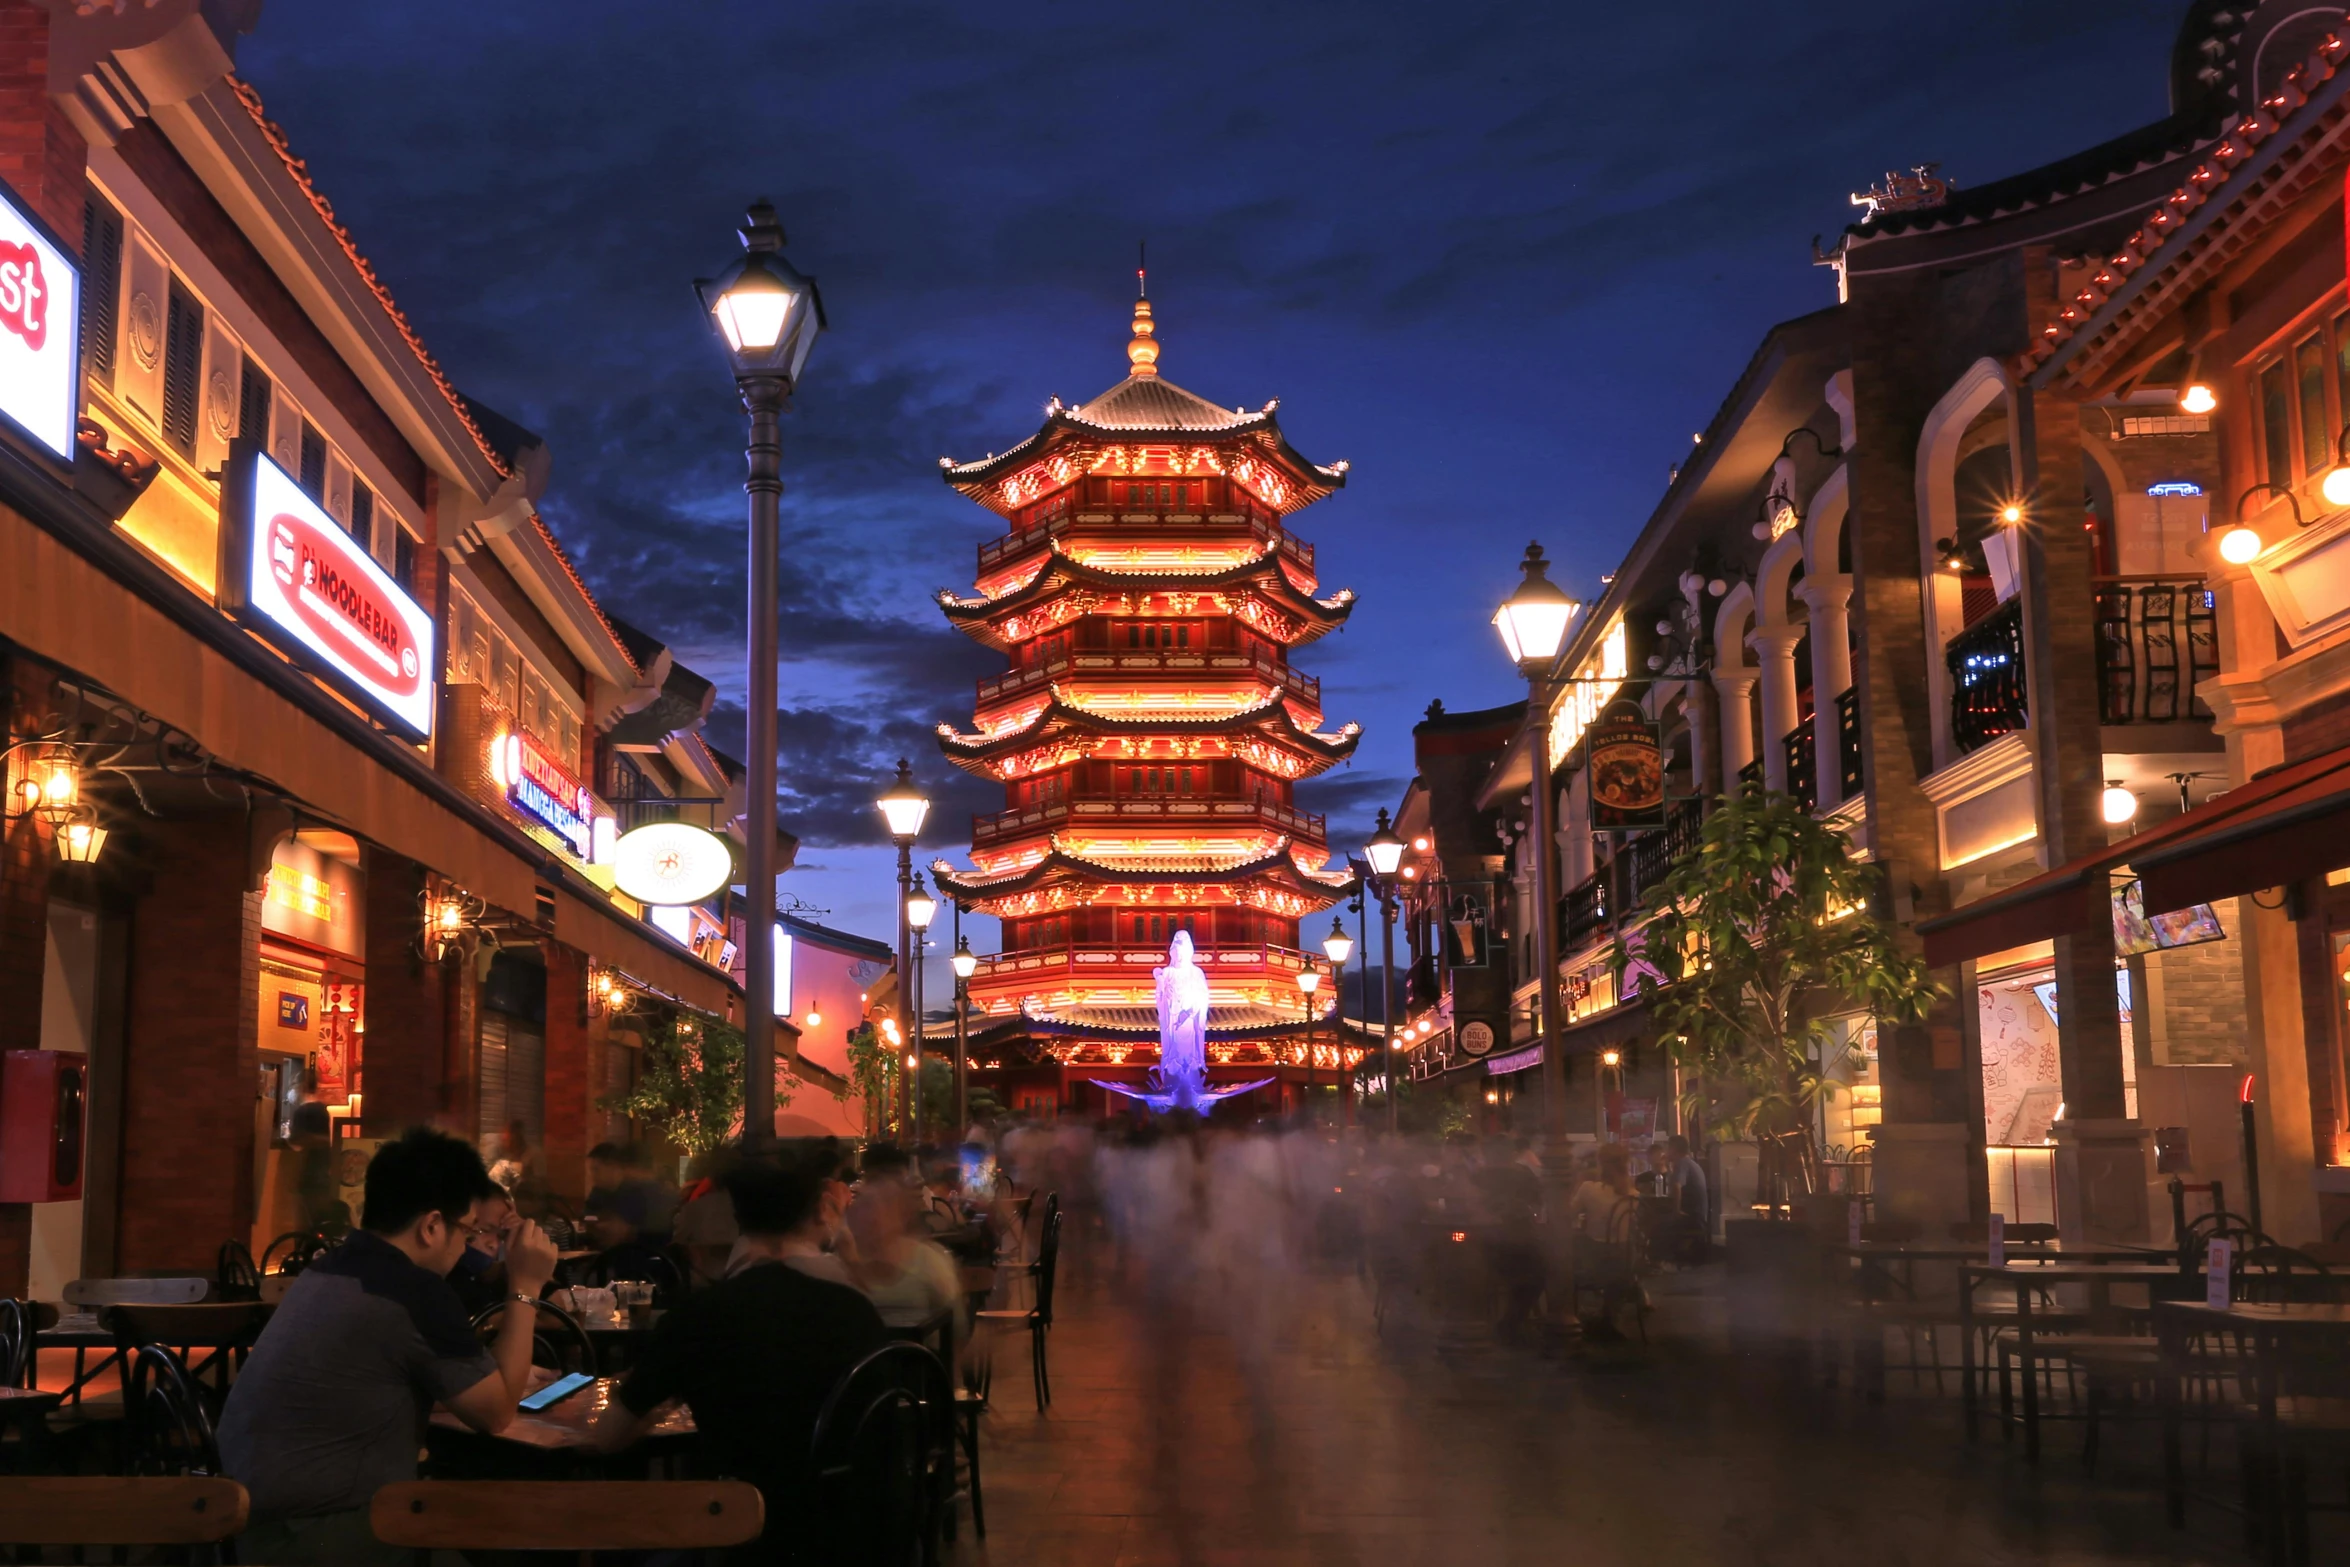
(332, 1404)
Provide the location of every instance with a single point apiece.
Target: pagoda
(1149, 733)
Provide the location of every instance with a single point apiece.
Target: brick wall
(572, 1072)
(2202, 1021)
(190, 1060)
(401, 1060)
(24, 938)
(41, 155)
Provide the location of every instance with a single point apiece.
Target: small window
(362, 513)
(183, 367)
(253, 402)
(2317, 431)
(466, 624)
(312, 478)
(404, 562)
(1183, 636)
(101, 286)
(1134, 636)
(2276, 423)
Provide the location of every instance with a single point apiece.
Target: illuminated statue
(1180, 1081)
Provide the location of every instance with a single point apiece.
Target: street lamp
(921, 909)
(1338, 946)
(768, 316)
(1308, 981)
(966, 964)
(1533, 623)
(904, 808)
(1383, 854)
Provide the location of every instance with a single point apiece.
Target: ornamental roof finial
(1143, 352)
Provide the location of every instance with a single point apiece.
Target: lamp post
(1338, 946)
(1533, 624)
(1308, 981)
(768, 315)
(903, 807)
(966, 964)
(1383, 854)
(921, 909)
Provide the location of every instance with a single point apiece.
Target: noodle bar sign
(290, 573)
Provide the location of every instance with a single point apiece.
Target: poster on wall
(1627, 770)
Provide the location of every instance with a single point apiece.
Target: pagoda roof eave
(1314, 481)
(1334, 748)
(1060, 572)
(1059, 863)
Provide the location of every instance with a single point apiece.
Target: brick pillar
(400, 1059)
(1929, 1163)
(570, 1101)
(190, 1052)
(41, 155)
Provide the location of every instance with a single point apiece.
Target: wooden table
(27, 1409)
(2027, 1276)
(2265, 1328)
(81, 1335)
(564, 1428)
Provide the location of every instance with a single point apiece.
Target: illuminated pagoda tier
(1149, 734)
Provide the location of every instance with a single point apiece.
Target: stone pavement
(1213, 1421)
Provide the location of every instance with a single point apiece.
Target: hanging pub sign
(670, 864)
(40, 330)
(542, 789)
(1466, 924)
(1627, 763)
(290, 573)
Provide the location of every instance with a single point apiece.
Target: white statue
(1181, 1079)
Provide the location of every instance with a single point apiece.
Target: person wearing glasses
(366, 1341)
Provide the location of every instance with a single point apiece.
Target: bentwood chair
(196, 1513)
(659, 1516)
(558, 1341)
(167, 1430)
(225, 1329)
(884, 1449)
(1037, 1319)
(235, 1275)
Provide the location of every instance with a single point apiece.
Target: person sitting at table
(754, 1355)
(370, 1336)
(480, 1275)
(909, 1278)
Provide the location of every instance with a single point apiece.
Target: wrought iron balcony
(2157, 637)
(1649, 858)
(1848, 768)
(1986, 663)
(1584, 910)
(1803, 755)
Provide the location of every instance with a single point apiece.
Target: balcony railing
(1423, 984)
(1848, 771)
(1175, 812)
(1100, 962)
(995, 552)
(2156, 638)
(1649, 858)
(1584, 910)
(1986, 663)
(1803, 758)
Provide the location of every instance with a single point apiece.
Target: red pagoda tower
(1149, 734)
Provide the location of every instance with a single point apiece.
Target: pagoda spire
(1143, 352)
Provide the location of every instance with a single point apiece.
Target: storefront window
(1855, 1103)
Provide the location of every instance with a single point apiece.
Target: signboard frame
(61, 331)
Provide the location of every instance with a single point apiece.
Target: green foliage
(689, 1087)
(1761, 932)
(874, 1068)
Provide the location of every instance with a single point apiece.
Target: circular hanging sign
(1476, 1038)
(670, 863)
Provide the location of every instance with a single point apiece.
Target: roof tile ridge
(2236, 143)
(555, 547)
(275, 135)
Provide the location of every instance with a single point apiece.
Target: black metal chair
(235, 1277)
(293, 1251)
(227, 1329)
(166, 1428)
(16, 1342)
(558, 1341)
(884, 1448)
(1037, 1319)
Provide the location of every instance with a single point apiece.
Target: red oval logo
(340, 604)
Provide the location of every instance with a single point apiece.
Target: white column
(1831, 674)
(1775, 647)
(1734, 694)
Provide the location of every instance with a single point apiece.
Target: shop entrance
(69, 1003)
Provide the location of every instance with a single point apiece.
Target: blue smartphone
(556, 1391)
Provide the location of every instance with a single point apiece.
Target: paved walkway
(1203, 1418)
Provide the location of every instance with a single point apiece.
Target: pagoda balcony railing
(2157, 638)
(1306, 687)
(1169, 811)
(1126, 961)
(1986, 663)
(1012, 545)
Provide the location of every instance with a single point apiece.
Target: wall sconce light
(81, 841)
(609, 994)
(451, 921)
(2117, 805)
(2011, 515)
(2198, 398)
(2241, 544)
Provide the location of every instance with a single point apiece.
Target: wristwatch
(527, 1300)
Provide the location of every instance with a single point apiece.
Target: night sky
(1503, 258)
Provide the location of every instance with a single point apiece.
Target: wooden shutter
(183, 367)
(101, 286)
(490, 1092)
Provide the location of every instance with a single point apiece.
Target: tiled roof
(1152, 403)
(2203, 182)
(276, 138)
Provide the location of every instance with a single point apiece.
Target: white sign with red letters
(40, 331)
(307, 582)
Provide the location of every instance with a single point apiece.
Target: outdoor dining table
(562, 1432)
(80, 1332)
(2028, 1276)
(2264, 1328)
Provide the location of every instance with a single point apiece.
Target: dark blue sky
(1505, 258)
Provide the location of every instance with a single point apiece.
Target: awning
(2288, 823)
(649, 957)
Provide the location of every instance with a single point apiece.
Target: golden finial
(1143, 352)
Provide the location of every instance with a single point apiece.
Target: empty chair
(167, 1430)
(566, 1515)
(1037, 1319)
(234, 1274)
(884, 1449)
(197, 1512)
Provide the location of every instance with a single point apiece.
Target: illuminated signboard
(40, 330)
(540, 788)
(2174, 487)
(669, 864)
(289, 572)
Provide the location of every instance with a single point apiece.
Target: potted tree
(689, 1086)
